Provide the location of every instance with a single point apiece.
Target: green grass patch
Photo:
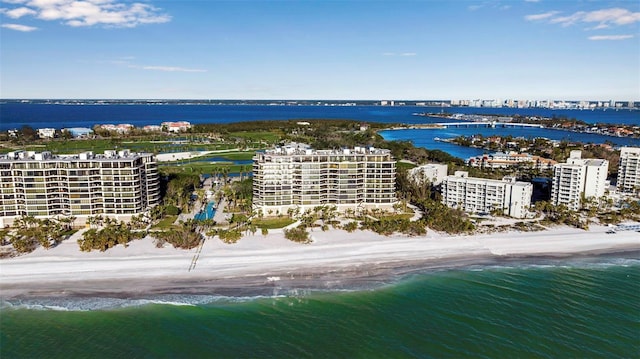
(396, 216)
(165, 223)
(236, 156)
(203, 168)
(273, 223)
(404, 165)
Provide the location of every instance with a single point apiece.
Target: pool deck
(219, 216)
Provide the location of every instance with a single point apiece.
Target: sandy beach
(257, 262)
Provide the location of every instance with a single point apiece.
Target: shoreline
(264, 265)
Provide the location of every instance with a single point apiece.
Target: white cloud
(19, 12)
(167, 68)
(568, 20)
(399, 54)
(537, 17)
(531, 0)
(610, 37)
(108, 13)
(18, 27)
(616, 16)
(604, 18)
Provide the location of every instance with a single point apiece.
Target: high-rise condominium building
(116, 184)
(294, 178)
(481, 195)
(577, 178)
(629, 170)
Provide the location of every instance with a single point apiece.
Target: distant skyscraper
(629, 170)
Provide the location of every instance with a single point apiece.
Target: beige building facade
(301, 179)
(629, 170)
(115, 184)
(578, 178)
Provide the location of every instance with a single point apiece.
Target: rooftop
(108, 155)
(305, 150)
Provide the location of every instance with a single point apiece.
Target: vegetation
(298, 234)
(389, 225)
(185, 236)
(166, 222)
(350, 226)
(30, 232)
(435, 214)
(229, 236)
(273, 223)
(109, 233)
(177, 191)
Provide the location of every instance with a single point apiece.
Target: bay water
(14, 115)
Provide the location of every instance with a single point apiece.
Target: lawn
(165, 223)
(273, 223)
(268, 136)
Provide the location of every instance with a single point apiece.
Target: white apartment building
(578, 178)
(46, 132)
(298, 178)
(180, 126)
(115, 184)
(432, 172)
(481, 195)
(629, 170)
(511, 159)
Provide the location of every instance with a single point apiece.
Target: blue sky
(519, 49)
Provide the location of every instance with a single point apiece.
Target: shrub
(185, 236)
(229, 237)
(351, 226)
(171, 210)
(298, 234)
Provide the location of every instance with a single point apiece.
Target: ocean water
(570, 308)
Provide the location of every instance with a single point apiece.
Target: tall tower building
(116, 184)
(578, 178)
(629, 170)
(294, 178)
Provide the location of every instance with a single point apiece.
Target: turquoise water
(206, 213)
(427, 138)
(580, 308)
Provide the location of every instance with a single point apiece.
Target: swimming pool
(206, 213)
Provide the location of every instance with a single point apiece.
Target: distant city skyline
(337, 50)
